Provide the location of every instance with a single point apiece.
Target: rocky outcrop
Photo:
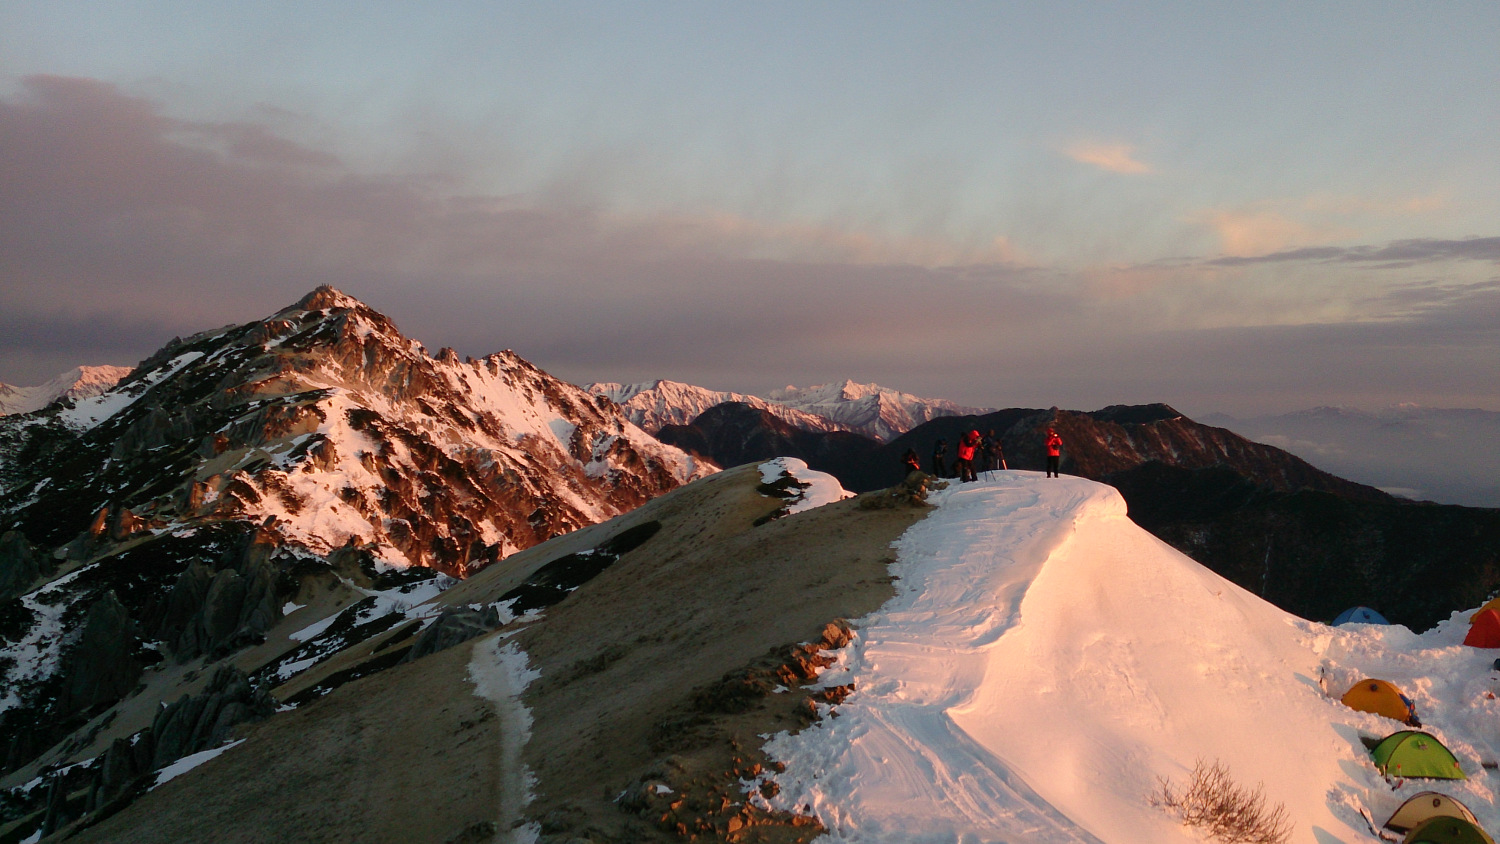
(101, 668)
(197, 722)
(213, 611)
(455, 626)
(20, 566)
(188, 725)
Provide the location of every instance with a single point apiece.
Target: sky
(1245, 208)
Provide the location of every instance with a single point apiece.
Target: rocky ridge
(326, 418)
(263, 495)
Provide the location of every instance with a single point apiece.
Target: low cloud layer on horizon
(120, 227)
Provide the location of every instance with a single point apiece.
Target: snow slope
(1045, 661)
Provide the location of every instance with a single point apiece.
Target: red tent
(1485, 631)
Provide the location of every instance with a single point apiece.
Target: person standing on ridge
(965, 465)
(995, 452)
(1054, 453)
(939, 458)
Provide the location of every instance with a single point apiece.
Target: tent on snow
(1447, 831)
(1359, 615)
(1414, 754)
(1425, 805)
(1485, 631)
(1491, 604)
(1381, 698)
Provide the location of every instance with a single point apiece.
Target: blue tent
(1359, 615)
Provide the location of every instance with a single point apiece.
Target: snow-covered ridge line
(1045, 660)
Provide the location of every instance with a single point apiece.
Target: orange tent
(1485, 631)
(1379, 697)
(1494, 604)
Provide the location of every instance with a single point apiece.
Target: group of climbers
(979, 454)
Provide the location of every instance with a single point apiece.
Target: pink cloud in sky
(120, 226)
(1258, 231)
(1115, 158)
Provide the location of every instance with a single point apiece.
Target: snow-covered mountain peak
(654, 405)
(870, 409)
(326, 417)
(80, 382)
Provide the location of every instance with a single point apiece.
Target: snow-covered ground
(1045, 661)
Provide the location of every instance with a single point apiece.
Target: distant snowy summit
(80, 382)
(653, 405)
(868, 409)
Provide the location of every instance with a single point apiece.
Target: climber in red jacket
(965, 464)
(1054, 453)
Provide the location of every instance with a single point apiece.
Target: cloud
(121, 227)
(1257, 231)
(119, 211)
(1397, 254)
(1115, 158)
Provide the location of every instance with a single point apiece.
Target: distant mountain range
(871, 410)
(1424, 453)
(80, 382)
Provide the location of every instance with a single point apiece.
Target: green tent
(1447, 831)
(1410, 753)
